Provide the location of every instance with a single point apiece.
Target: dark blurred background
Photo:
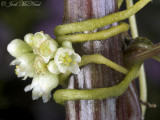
(16, 21)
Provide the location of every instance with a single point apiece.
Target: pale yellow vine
(62, 32)
(142, 77)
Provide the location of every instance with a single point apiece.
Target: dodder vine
(62, 32)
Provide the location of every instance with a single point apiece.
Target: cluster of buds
(41, 58)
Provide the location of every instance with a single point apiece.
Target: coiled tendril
(62, 32)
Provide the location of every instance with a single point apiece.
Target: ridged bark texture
(124, 107)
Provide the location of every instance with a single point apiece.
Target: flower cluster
(40, 57)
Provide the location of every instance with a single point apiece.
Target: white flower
(34, 40)
(47, 50)
(40, 66)
(53, 68)
(42, 85)
(42, 45)
(67, 59)
(18, 47)
(24, 65)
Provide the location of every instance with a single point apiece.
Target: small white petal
(62, 68)
(47, 50)
(28, 88)
(48, 81)
(74, 68)
(47, 36)
(15, 62)
(40, 66)
(35, 95)
(24, 66)
(46, 59)
(28, 38)
(67, 44)
(42, 85)
(18, 48)
(24, 78)
(66, 59)
(21, 74)
(46, 97)
(53, 68)
(38, 38)
(77, 58)
(60, 52)
(54, 42)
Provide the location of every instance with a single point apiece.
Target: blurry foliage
(22, 18)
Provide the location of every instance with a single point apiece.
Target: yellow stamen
(69, 60)
(30, 44)
(67, 55)
(41, 31)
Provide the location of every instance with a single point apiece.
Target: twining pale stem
(142, 77)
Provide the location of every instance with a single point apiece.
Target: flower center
(44, 49)
(40, 66)
(67, 59)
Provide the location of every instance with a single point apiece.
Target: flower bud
(18, 48)
(67, 44)
(53, 68)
